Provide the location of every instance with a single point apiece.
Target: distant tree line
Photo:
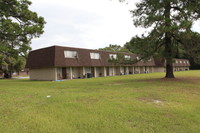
(128, 48)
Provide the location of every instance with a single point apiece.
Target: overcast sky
(86, 23)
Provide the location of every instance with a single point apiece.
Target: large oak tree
(18, 26)
(171, 22)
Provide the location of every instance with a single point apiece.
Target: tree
(171, 22)
(119, 59)
(115, 48)
(18, 26)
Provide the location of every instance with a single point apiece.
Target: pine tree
(171, 22)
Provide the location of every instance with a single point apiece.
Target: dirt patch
(115, 84)
(151, 100)
(158, 102)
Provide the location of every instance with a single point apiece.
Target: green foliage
(171, 33)
(140, 103)
(18, 25)
(115, 48)
(20, 64)
(191, 44)
(146, 46)
(121, 60)
(120, 57)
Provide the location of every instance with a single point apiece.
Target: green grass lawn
(143, 103)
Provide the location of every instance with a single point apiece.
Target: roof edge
(81, 49)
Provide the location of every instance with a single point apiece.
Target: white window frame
(137, 58)
(70, 54)
(95, 56)
(127, 57)
(113, 56)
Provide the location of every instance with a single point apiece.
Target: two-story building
(57, 63)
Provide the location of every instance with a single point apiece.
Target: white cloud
(196, 26)
(87, 24)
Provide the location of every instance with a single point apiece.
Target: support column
(83, 72)
(113, 71)
(143, 69)
(127, 70)
(104, 72)
(70, 73)
(56, 73)
(95, 72)
(147, 69)
(139, 70)
(133, 71)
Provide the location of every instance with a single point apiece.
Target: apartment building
(59, 63)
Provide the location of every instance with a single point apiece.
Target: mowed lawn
(142, 103)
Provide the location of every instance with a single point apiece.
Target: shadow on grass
(191, 80)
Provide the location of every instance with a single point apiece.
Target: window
(113, 56)
(138, 58)
(176, 62)
(70, 54)
(94, 55)
(127, 57)
(180, 61)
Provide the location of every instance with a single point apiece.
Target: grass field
(143, 103)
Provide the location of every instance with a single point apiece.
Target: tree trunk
(169, 69)
(7, 75)
(169, 57)
(168, 43)
(10, 74)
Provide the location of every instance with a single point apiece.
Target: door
(107, 71)
(92, 70)
(64, 73)
(125, 71)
